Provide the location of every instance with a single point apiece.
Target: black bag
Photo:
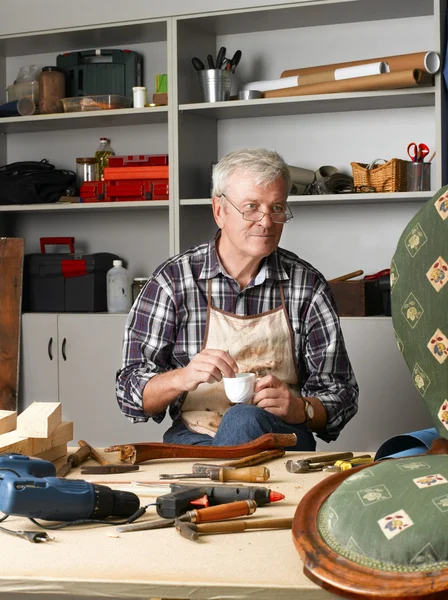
(34, 182)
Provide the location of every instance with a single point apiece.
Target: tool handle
(255, 459)
(142, 451)
(238, 526)
(221, 512)
(82, 454)
(93, 453)
(330, 457)
(347, 276)
(248, 474)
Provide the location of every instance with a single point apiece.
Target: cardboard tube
(425, 61)
(385, 81)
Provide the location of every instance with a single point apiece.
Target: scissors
(417, 153)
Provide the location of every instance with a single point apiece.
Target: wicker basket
(390, 177)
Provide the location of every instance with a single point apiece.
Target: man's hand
(276, 397)
(208, 366)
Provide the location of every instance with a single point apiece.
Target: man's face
(245, 238)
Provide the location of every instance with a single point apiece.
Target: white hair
(263, 166)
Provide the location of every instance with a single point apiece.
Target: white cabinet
(73, 359)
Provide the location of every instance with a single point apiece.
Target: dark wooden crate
(361, 298)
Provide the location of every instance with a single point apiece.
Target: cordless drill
(29, 488)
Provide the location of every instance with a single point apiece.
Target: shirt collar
(271, 267)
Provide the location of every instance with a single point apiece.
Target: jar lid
(53, 69)
(89, 160)
(140, 279)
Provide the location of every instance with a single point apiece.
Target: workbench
(89, 562)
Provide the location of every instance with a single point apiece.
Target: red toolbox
(93, 191)
(123, 191)
(118, 173)
(138, 160)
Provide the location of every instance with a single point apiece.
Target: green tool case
(96, 72)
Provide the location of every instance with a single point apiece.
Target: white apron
(262, 344)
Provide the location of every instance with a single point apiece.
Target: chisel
(249, 474)
(247, 461)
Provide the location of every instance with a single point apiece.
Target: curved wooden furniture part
(345, 578)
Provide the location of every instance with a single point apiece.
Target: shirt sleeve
(147, 347)
(330, 376)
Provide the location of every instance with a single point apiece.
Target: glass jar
(86, 170)
(137, 285)
(51, 90)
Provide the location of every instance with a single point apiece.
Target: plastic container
(101, 102)
(28, 89)
(139, 93)
(119, 297)
(51, 90)
(102, 154)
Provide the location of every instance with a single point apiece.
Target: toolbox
(115, 173)
(65, 282)
(129, 190)
(109, 71)
(138, 160)
(365, 297)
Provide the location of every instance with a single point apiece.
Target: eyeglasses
(255, 215)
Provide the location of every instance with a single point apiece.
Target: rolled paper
(385, 81)
(271, 84)
(361, 70)
(425, 61)
(301, 177)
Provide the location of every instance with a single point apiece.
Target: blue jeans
(242, 423)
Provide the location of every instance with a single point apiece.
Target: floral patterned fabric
(392, 516)
(419, 296)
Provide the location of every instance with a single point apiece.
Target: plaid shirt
(165, 328)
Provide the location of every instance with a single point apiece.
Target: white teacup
(239, 389)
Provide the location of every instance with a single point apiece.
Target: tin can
(137, 285)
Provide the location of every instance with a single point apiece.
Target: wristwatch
(309, 411)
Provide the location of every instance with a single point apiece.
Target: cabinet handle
(64, 342)
(50, 348)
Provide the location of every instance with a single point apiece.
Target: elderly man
(239, 303)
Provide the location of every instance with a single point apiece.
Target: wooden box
(361, 298)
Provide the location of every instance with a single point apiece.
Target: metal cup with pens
(216, 81)
(418, 171)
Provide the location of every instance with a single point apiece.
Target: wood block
(8, 420)
(350, 298)
(11, 269)
(61, 435)
(53, 453)
(12, 442)
(39, 420)
(160, 98)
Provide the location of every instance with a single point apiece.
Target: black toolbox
(56, 282)
(93, 72)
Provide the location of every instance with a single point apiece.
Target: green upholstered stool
(381, 531)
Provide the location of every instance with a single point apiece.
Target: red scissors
(417, 153)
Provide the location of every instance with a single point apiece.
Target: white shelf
(78, 120)
(373, 198)
(88, 206)
(272, 107)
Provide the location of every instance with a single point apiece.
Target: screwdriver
(249, 474)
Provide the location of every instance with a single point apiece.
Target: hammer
(106, 468)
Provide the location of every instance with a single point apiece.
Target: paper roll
(385, 81)
(425, 61)
(361, 70)
(272, 84)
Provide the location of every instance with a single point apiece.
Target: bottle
(118, 289)
(51, 90)
(102, 155)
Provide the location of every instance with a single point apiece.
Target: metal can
(137, 285)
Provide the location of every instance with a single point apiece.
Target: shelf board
(84, 120)
(88, 206)
(309, 14)
(338, 199)
(321, 103)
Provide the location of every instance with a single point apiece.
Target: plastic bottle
(119, 297)
(102, 155)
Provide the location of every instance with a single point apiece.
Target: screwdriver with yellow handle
(249, 474)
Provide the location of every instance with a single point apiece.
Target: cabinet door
(90, 348)
(39, 359)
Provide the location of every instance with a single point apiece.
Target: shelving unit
(336, 233)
